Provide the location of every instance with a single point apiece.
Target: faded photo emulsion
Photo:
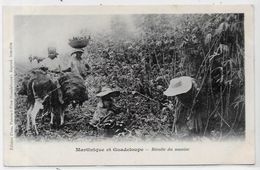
(122, 84)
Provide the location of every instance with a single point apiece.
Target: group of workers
(184, 88)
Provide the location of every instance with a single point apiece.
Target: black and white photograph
(129, 85)
(150, 76)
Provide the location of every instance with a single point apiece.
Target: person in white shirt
(53, 65)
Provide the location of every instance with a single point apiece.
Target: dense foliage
(141, 63)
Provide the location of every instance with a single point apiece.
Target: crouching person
(105, 116)
(187, 92)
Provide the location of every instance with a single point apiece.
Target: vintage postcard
(128, 85)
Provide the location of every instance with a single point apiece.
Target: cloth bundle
(73, 89)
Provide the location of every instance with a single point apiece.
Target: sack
(73, 88)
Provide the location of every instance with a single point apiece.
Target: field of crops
(141, 63)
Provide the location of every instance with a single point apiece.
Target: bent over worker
(106, 112)
(186, 90)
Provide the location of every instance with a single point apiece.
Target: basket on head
(79, 42)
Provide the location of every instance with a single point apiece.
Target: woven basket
(52, 56)
(78, 43)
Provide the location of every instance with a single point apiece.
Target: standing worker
(77, 64)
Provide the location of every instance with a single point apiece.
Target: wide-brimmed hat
(77, 51)
(106, 91)
(178, 86)
(39, 71)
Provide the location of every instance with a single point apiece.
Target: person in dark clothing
(186, 90)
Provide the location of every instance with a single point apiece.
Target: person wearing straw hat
(182, 88)
(77, 64)
(106, 110)
(186, 90)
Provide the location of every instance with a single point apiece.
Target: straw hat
(77, 51)
(105, 91)
(38, 71)
(178, 86)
